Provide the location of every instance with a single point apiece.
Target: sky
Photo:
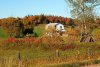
(21, 8)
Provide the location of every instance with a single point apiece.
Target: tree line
(17, 26)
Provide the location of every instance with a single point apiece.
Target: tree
(0, 22)
(18, 27)
(8, 24)
(83, 10)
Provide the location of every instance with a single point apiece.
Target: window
(60, 27)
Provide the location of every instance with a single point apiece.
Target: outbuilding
(54, 28)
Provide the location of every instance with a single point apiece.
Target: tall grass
(72, 61)
(41, 52)
(81, 54)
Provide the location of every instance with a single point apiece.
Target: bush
(14, 43)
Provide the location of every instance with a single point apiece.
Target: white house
(55, 26)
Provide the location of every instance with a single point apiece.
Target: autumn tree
(0, 22)
(8, 25)
(18, 27)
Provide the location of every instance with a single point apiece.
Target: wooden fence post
(89, 53)
(19, 56)
(78, 55)
(57, 53)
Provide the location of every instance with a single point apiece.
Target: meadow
(43, 51)
(76, 56)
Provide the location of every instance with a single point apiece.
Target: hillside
(17, 48)
(17, 26)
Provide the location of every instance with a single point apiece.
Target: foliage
(80, 6)
(2, 33)
(15, 26)
(84, 10)
(96, 34)
(39, 30)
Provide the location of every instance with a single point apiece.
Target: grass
(81, 54)
(39, 30)
(30, 58)
(2, 33)
(38, 57)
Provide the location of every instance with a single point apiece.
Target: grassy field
(81, 54)
(48, 52)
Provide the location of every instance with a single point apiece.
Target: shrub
(11, 43)
(67, 47)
